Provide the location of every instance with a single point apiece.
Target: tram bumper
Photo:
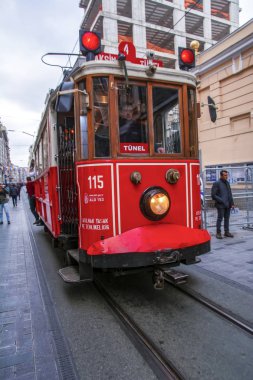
(150, 245)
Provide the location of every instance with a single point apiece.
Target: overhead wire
(187, 12)
(190, 9)
(68, 61)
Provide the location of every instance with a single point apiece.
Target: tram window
(193, 137)
(45, 149)
(132, 103)
(166, 120)
(37, 161)
(84, 136)
(40, 168)
(101, 117)
(83, 120)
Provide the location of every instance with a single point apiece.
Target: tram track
(216, 308)
(162, 367)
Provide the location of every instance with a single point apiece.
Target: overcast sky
(29, 29)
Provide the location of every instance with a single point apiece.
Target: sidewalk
(231, 257)
(26, 350)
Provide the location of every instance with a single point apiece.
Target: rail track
(218, 309)
(162, 367)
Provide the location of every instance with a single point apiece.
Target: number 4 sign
(128, 49)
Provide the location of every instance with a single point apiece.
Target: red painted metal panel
(47, 200)
(109, 203)
(195, 196)
(96, 203)
(151, 239)
(153, 174)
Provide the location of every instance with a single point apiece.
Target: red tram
(117, 169)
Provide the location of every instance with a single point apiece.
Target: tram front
(138, 170)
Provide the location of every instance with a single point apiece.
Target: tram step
(68, 241)
(74, 253)
(71, 274)
(175, 277)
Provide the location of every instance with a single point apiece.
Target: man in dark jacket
(32, 200)
(14, 194)
(222, 194)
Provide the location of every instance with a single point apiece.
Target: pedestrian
(4, 199)
(19, 186)
(222, 195)
(14, 194)
(32, 200)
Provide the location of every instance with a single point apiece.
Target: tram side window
(132, 103)
(36, 171)
(166, 121)
(45, 149)
(83, 120)
(101, 117)
(40, 167)
(193, 132)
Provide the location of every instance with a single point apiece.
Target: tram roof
(137, 71)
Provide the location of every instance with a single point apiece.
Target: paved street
(28, 341)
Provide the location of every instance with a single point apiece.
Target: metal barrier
(241, 182)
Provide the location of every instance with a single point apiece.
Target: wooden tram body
(99, 180)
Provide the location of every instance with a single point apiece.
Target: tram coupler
(158, 279)
(170, 275)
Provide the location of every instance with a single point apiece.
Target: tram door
(67, 180)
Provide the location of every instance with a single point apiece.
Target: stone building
(225, 73)
(4, 153)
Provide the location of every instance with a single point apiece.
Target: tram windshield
(132, 108)
(131, 116)
(166, 120)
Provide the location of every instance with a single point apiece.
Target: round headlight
(155, 203)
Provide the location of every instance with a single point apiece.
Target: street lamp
(26, 133)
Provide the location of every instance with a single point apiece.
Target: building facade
(9, 173)
(4, 153)
(225, 73)
(160, 25)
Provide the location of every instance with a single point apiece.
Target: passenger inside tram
(101, 129)
(130, 125)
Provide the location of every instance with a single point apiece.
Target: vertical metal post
(204, 197)
(248, 175)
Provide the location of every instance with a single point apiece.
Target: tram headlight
(155, 203)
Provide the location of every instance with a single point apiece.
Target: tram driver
(131, 127)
